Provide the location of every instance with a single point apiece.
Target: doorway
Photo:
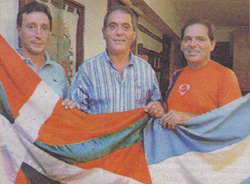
(223, 55)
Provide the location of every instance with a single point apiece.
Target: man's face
(196, 44)
(119, 33)
(34, 33)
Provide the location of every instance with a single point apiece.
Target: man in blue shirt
(34, 24)
(116, 80)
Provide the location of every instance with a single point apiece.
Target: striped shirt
(99, 88)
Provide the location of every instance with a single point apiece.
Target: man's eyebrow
(37, 23)
(30, 22)
(126, 23)
(45, 24)
(112, 23)
(187, 36)
(195, 36)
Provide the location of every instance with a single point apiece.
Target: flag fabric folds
(67, 146)
(212, 148)
(48, 144)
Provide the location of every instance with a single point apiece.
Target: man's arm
(69, 104)
(173, 118)
(229, 89)
(78, 94)
(154, 108)
(65, 86)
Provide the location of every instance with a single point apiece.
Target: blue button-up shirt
(99, 88)
(51, 73)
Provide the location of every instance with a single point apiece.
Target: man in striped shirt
(116, 80)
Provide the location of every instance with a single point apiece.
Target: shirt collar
(48, 61)
(131, 59)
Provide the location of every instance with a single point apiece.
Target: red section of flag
(18, 79)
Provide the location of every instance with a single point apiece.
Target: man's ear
(181, 46)
(18, 30)
(134, 37)
(103, 30)
(213, 43)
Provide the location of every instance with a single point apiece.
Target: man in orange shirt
(203, 85)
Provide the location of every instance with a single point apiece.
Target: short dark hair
(32, 7)
(203, 22)
(124, 9)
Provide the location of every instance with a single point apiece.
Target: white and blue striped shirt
(99, 88)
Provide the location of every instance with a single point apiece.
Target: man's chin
(37, 51)
(193, 58)
(118, 51)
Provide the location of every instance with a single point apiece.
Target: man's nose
(119, 30)
(38, 32)
(193, 42)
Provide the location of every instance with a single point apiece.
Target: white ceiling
(222, 13)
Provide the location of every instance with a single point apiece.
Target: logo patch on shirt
(184, 88)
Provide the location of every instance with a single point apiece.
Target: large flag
(66, 146)
(48, 144)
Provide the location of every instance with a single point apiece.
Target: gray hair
(124, 9)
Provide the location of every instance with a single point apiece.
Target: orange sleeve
(229, 89)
